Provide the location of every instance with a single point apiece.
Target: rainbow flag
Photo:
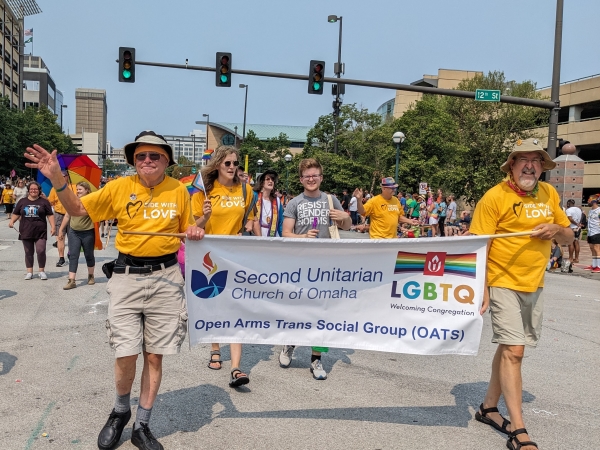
(462, 264)
(207, 154)
(187, 182)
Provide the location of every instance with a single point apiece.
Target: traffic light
(127, 64)
(223, 72)
(315, 77)
(336, 107)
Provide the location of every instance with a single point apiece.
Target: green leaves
(21, 129)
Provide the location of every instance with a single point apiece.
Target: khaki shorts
(146, 312)
(516, 316)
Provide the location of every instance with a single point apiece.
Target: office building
(191, 147)
(116, 155)
(89, 144)
(12, 15)
(90, 114)
(39, 87)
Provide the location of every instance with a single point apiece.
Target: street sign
(487, 95)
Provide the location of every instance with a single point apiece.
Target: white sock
(595, 262)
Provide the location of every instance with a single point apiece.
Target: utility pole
(554, 95)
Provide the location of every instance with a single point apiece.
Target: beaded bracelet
(62, 188)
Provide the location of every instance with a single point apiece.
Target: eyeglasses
(153, 156)
(228, 163)
(535, 161)
(311, 177)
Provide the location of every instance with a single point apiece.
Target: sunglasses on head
(228, 163)
(153, 156)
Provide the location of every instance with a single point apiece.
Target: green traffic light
(126, 74)
(316, 86)
(224, 79)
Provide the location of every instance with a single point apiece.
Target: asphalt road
(56, 380)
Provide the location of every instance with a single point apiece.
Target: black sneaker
(143, 439)
(111, 432)
(61, 262)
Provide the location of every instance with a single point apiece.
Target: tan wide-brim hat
(148, 137)
(526, 146)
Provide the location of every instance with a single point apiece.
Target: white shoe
(285, 357)
(29, 276)
(43, 276)
(316, 368)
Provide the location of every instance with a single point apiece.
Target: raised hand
(45, 162)
(358, 193)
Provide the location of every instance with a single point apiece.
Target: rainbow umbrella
(79, 167)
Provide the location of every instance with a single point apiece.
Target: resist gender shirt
(305, 209)
(384, 216)
(164, 208)
(518, 262)
(228, 208)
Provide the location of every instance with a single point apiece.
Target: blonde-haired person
(81, 233)
(221, 210)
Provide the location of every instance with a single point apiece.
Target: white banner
(419, 296)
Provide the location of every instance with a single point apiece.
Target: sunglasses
(153, 156)
(228, 163)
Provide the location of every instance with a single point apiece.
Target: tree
(20, 129)
(108, 167)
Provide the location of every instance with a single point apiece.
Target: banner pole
(153, 233)
(506, 235)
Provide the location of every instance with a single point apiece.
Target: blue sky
(384, 40)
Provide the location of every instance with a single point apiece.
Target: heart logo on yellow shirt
(133, 207)
(517, 208)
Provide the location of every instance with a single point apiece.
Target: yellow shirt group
(228, 208)
(164, 208)
(517, 263)
(384, 216)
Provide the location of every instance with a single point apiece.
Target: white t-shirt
(574, 213)
(593, 221)
(353, 205)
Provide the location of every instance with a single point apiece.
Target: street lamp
(398, 139)
(61, 116)
(288, 159)
(260, 162)
(245, 106)
(338, 73)
(199, 122)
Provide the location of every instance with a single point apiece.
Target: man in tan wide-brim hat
(515, 275)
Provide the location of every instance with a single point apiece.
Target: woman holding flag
(225, 207)
(269, 208)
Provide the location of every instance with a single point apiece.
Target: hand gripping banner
(419, 296)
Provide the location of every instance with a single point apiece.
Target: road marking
(40, 425)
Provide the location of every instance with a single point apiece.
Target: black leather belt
(146, 268)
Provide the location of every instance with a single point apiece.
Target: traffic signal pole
(544, 104)
(555, 91)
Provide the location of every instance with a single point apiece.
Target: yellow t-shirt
(228, 208)
(7, 195)
(55, 202)
(164, 208)
(384, 216)
(518, 262)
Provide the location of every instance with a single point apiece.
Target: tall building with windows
(12, 40)
(39, 87)
(90, 114)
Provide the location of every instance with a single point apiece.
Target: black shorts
(594, 239)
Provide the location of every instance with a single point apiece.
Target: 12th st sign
(487, 95)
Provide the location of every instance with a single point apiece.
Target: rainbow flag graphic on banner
(437, 263)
